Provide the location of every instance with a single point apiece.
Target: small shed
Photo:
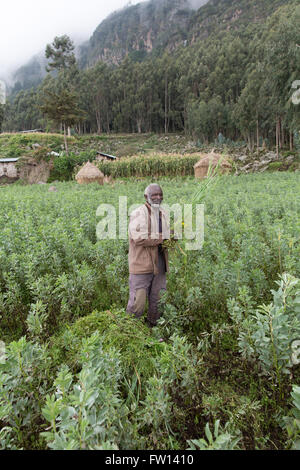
(32, 131)
(213, 159)
(89, 173)
(105, 157)
(8, 170)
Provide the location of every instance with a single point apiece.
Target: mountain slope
(30, 74)
(157, 25)
(138, 30)
(152, 27)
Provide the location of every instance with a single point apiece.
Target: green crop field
(76, 372)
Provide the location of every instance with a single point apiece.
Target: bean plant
(267, 334)
(77, 372)
(220, 439)
(292, 422)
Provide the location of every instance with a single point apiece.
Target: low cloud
(195, 4)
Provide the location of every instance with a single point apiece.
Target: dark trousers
(147, 286)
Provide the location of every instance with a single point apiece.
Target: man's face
(155, 195)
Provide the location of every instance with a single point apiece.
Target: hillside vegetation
(234, 73)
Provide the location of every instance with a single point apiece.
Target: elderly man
(148, 259)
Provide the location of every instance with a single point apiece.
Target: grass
(115, 144)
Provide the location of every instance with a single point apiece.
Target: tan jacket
(144, 238)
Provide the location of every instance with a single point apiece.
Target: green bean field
(77, 372)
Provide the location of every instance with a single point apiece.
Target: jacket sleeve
(138, 231)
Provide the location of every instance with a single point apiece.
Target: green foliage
(267, 334)
(156, 410)
(36, 319)
(292, 423)
(231, 72)
(41, 153)
(118, 330)
(180, 366)
(221, 439)
(64, 166)
(67, 292)
(61, 106)
(23, 384)
(226, 358)
(1, 116)
(61, 53)
(275, 166)
(87, 413)
(84, 415)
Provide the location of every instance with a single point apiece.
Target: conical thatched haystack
(89, 173)
(201, 167)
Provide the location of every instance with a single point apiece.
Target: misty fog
(28, 32)
(195, 4)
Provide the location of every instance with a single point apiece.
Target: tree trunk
(250, 142)
(107, 120)
(283, 137)
(291, 142)
(166, 103)
(65, 139)
(98, 119)
(279, 133)
(139, 126)
(69, 131)
(277, 137)
(150, 113)
(257, 133)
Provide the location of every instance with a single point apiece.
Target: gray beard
(154, 206)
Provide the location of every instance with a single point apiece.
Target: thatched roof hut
(89, 173)
(201, 167)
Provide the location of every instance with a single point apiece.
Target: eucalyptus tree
(282, 66)
(95, 96)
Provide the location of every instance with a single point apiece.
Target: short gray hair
(146, 193)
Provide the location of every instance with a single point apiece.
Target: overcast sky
(26, 26)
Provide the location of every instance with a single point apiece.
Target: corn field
(152, 165)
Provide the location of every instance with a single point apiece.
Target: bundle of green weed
(154, 165)
(198, 198)
(118, 330)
